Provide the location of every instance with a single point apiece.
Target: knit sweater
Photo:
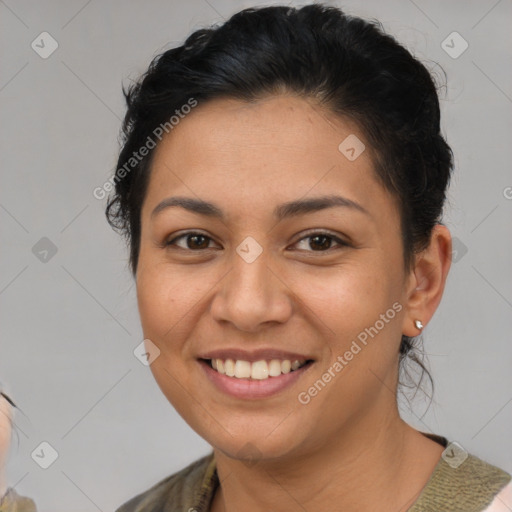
(460, 482)
(13, 502)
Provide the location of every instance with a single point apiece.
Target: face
(253, 279)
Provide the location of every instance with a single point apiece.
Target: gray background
(69, 325)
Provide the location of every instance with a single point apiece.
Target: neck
(369, 466)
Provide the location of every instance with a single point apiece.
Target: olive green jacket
(464, 485)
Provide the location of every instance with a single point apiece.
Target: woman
(281, 186)
(10, 500)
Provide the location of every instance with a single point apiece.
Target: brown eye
(321, 242)
(194, 241)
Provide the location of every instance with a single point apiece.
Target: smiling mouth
(257, 370)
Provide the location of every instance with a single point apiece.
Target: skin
(5, 440)
(348, 445)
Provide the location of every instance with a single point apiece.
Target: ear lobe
(427, 280)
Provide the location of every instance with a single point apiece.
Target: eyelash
(311, 234)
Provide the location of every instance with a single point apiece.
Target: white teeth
(274, 368)
(259, 370)
(242, 369)
(295, 364)
(229, 367)
(286, 366)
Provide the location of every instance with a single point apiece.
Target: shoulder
(503, 500)
(462, 482)
(177, 491)
(13, 502)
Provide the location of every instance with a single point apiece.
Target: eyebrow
(282, 211)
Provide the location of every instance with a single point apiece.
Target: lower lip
(252, 388)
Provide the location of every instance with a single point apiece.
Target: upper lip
(254, 355)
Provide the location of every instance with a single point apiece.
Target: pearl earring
(418, 324)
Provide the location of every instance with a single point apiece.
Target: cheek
(348, 296)
(152, 302)
(358, 308)
(163, 298)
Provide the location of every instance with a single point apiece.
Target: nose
(252, 295)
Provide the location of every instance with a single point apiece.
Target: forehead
(290, 124)
(275, 149)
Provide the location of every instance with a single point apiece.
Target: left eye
(322, 240)
(197, 241)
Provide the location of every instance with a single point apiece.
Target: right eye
(194, 241)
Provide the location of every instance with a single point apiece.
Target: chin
(251, 449)
(248, 441)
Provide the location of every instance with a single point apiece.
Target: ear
(427, 279)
